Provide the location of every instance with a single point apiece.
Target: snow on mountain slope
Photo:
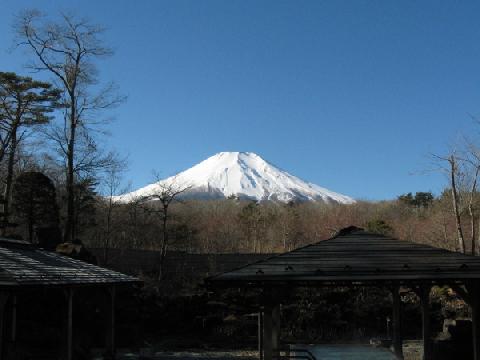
(242, 174)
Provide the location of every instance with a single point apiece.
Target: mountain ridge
(244, 175)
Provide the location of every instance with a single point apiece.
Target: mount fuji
(241, 174)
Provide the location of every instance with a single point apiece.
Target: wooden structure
(193, 265)
(25, 267)
(355, 257)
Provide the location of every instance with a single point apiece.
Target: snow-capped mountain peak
(241, 174)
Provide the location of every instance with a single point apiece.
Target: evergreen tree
(420, 200)
(24, 103)
(34, 202)
(407, 199)
(423, 199)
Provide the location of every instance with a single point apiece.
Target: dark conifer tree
(407, 199)
(24, 103)
(34, 203)
(423, 199)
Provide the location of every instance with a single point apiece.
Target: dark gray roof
(24, 264)
(355, 255)
(134, 261)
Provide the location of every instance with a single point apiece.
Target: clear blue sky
(351, 95)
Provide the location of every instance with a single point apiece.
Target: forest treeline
(232, 225)
(58, 183)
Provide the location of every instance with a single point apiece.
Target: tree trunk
(9, 180)
(478, 237)
(69, 235)
(460, 238)
(3, 150)
(134, 224)
(107, 234)
(471, 211)
(445, 230)
(163, 249)
(30, 229)
(30, 218)
(472, 227)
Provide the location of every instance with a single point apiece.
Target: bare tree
(453, 168)
(464, 169)
(67, 49)
(453, 163)
(113, 187)
(472, 159)
(472, 209)
(134, 207)
(165, 193)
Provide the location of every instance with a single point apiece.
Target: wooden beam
(13, 332)
(110, 326)
(426, 322)
(474, 291)
(276, 331)
(3, 302)
(260, 335)
(267, 334)
(14, 319)
(397, 323)
(69, 298)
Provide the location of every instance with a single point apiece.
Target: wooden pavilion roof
(25, 265)
(355, 256)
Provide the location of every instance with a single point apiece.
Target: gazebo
(26, 268)
(355, 257)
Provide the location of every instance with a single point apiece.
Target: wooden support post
(267, 334)
(260, 335)
(426, 323)
(110, 339)
(14, 319)
(276, 331)
(397, 325)
(69, 297)
(474, 292)
(3, 303)
(13, 332)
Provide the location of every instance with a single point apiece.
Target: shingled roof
(24, 265)
(355, 255)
